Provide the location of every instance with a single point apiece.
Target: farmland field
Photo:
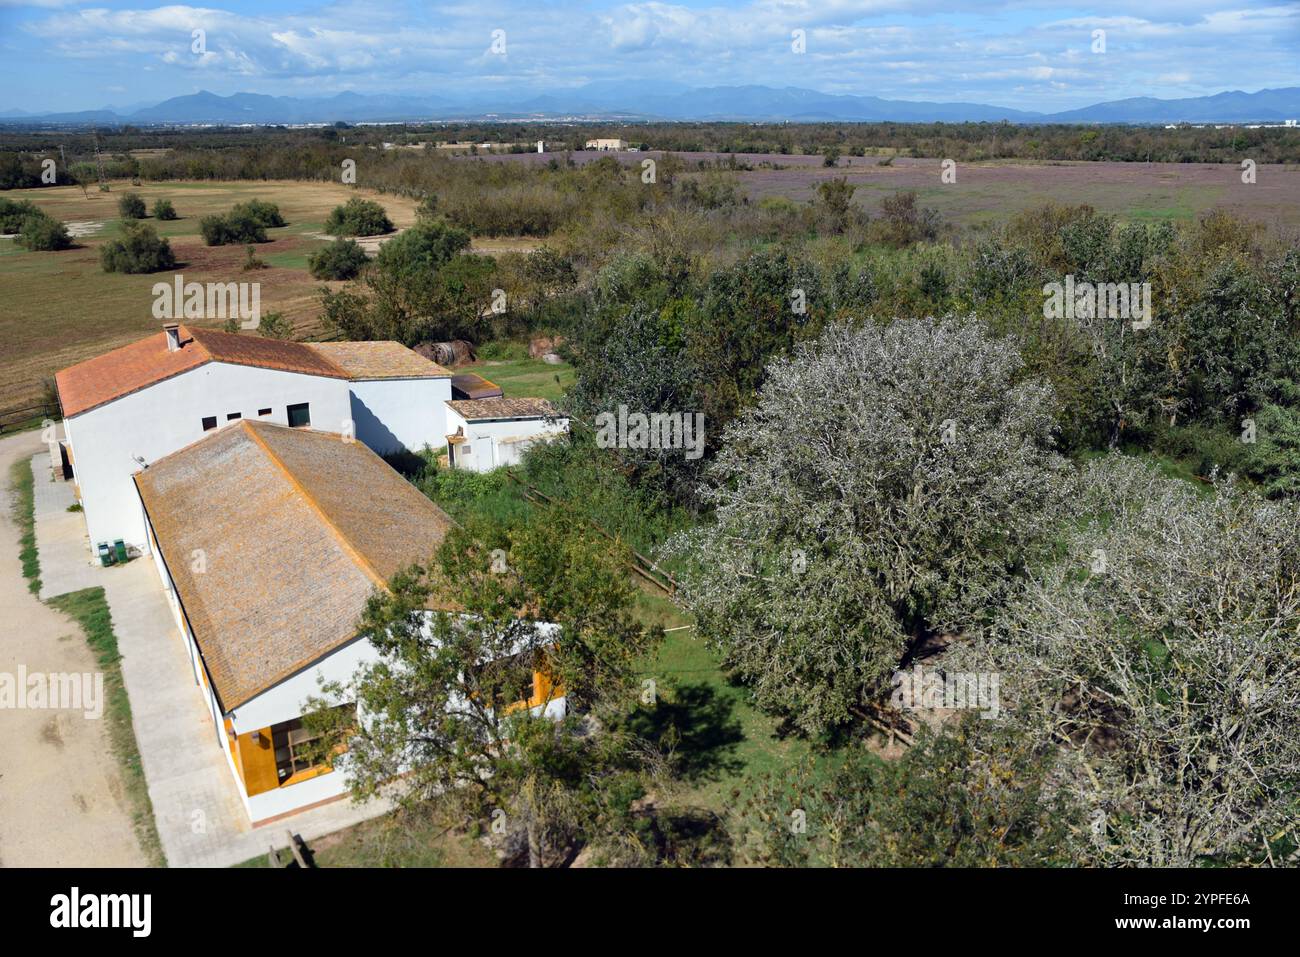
(990, 190)
(60, 308)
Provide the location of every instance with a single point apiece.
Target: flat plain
(60, 308)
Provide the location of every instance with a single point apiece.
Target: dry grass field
(992, 190)
(57, 308)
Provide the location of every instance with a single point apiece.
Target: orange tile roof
(295, 529)
(380, 360)
(141, 364)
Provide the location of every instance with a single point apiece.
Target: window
(263, 411)
(291, 741)
(297, 749)
(466, 450)
(209, 423)
(231, 416)
(299, 415)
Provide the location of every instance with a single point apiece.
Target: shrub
(251, 261)
(245, 223)
(231, 229)
(13, 213)
(341, 259)
(139, 250)
(43, 233)
(265, 214)
(358, 217)
(163, 209)
(131, 206)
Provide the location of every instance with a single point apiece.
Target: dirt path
(61, 796)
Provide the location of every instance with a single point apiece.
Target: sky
(58, 55)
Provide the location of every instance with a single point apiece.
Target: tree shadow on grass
(698, 726)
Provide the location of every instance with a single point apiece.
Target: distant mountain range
(654, 101)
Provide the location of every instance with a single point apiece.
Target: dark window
(299, 416)
(263, 411)
(209, 423)
(230, 416)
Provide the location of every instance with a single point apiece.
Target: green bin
(105, 554)
(119, 549)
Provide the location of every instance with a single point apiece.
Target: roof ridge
(353, 552)
(343, 373)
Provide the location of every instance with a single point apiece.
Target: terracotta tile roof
(380, 360)
(476, 410)
(294, 529)
(141, 364)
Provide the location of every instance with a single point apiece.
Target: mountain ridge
(630, 100)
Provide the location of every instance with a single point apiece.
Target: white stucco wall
(498, 443)
(394, 415)
(167, 416)
(284, 702)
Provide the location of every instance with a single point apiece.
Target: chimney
(173, 330)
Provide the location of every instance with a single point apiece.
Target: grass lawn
(89, 609)
(394, 840)
(23, 483)
(726, 742)
(526, 377)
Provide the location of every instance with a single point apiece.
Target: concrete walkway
(200, 818)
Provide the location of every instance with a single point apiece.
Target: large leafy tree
(422, 285)
(441, 708)
(882, 489)
(1158, 652)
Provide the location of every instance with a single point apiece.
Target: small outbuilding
(485, 434)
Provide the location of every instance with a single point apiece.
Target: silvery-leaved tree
(1161, 653)
(884, 487)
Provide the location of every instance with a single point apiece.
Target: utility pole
(99, 162)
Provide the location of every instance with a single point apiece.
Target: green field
(61, 307)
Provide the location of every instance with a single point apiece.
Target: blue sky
(1028, 54)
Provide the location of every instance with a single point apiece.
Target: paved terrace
(200, 817)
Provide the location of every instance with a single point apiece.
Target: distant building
(485, 434)
(604, 144)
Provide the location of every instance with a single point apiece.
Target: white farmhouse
(606, 144)
(484, 434)
(129, 407)
(397, 397)
(268, 579)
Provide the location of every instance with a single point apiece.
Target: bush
(131, 206)
(358, 217)
(265, 214)
(163, 209)
(13, 213)
(138, 251)
(245, 223)
(43, 233)
(341, 259)
(231, 229)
